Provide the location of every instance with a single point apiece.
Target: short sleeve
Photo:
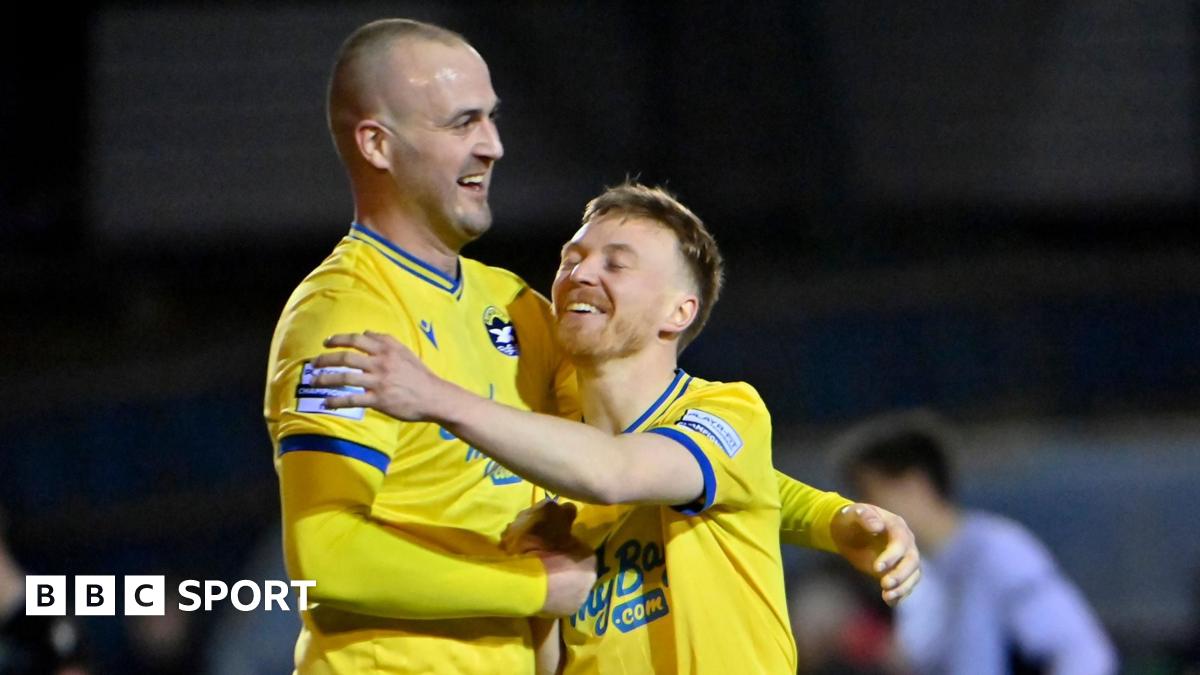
(295, 408)
(727, 429)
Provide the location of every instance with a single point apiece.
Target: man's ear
(374, 144)
(682, 315)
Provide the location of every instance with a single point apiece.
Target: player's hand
(570, 576)
(878, 542)
(545, 526)
(393, 379)
(545, 529)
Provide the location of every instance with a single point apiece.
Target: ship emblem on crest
(501, 331)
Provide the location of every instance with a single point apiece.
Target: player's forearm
(566, 457)
(364, 565)
(547, 646)
(807, 513)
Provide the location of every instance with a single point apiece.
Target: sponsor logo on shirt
(501, 331)
(629, 592)
(716, 429)
(311, 399)
(491, 468)
(499, 475)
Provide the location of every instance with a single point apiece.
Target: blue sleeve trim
(336, 446)
(710, 478)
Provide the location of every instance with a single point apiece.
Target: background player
(993, 600)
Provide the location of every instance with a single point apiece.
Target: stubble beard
(615, 340)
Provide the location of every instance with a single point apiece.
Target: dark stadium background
(985, 208)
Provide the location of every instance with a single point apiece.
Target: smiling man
(399, 523)
(679, 495)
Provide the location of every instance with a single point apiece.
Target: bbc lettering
(145, 595)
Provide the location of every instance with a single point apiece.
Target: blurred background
(989, 209)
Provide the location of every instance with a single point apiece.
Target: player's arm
(573, 459)
(547, 646)
(566, 457)
(873, 540)
(806, 513)
(369, 567)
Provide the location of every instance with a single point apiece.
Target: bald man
(399, 523)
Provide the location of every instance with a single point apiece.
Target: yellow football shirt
(698, 588)
(402, 518)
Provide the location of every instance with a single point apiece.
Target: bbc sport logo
(146, 595)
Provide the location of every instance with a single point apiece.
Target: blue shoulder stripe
(336, 446)
(706, 469)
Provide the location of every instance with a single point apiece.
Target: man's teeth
(471, 180)
(582, 307)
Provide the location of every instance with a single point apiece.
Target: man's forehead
(441, 71)
(430, 59)
(622, 230)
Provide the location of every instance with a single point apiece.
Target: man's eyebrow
(615, 247)
(620, 247)
(473, 112)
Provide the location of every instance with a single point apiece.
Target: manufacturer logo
(427, 329)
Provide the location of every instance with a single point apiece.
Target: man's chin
(474, 225)
(577, 345)
(475, 230)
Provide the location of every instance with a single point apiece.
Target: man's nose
(489, 146)
(585, 272)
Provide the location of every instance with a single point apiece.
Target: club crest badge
(500, 331)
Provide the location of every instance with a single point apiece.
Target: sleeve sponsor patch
(310, 399)
(716, 429)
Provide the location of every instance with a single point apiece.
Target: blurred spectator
(991, 599)
(256, 643)
(161, 645)
(32, 644)
(840, 625)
